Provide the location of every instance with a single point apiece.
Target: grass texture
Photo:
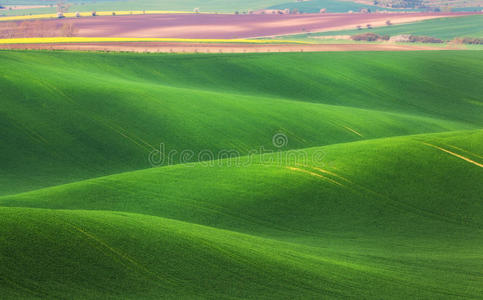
(376, 192)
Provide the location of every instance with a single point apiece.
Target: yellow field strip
(456, 155)
(352, 130)
(100, 13)
(55, 40)
(314, 174)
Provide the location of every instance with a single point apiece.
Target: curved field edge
(328, 233)
(271, 193)
(111, 110)
(153, 257)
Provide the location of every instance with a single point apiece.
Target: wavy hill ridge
(102, 114)
(374, 192)
(255, 186)
(340, 228)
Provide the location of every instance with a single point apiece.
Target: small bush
(424, 39)
(370, 37)
(468, 41)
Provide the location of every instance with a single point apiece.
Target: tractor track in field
(455, 155)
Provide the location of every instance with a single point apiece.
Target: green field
(226, 6)
(331, 6)
(443, 28)
(189, 5)
(179, 5)
(73, 116)
(376, 194)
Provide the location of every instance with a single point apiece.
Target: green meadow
(167, 5)
(231, 6)
(331, 6)
(374, 192)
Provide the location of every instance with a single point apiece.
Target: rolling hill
(328, 175)
(339, 227)
(72, 116)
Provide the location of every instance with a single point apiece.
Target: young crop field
(269, 176)
(330, 6)
(221, 6)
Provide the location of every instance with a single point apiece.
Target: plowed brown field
(216, 26)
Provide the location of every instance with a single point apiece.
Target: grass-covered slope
(391, 218)
(331, 6)
(379, 195)
(443, 28)
(137, 5)
(71, 116)
(252, 194)
(225, 6)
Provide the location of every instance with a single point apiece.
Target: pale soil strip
(456, 155)
(99, 13)
(60, 40)
(20, 7)
(314, 174)
(352, 130)
(375, 19)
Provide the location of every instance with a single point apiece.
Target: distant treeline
(372, 37)
(409, 38)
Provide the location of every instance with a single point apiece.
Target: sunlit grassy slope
(391, 218)
(377, 193)
(71, 116)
